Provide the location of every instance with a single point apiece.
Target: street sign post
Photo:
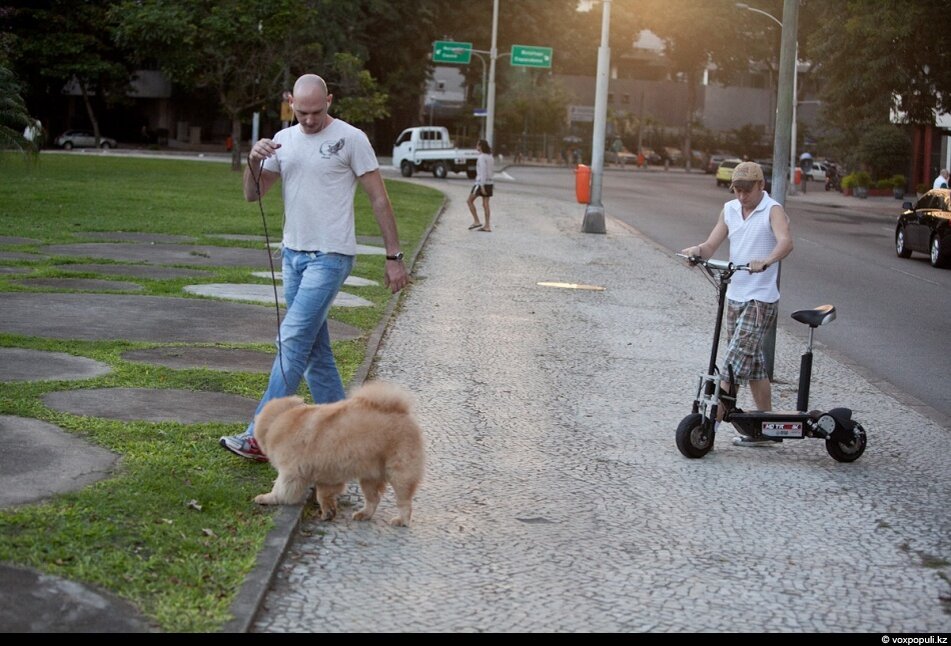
(447, 51)
(529, 56)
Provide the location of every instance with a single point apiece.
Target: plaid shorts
(747, 323)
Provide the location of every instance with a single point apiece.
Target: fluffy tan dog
(370, 436)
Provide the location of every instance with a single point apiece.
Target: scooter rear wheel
(851, 451)
(695, 436)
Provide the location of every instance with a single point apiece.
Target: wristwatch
(398, 256)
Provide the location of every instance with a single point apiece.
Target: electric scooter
(845, 438)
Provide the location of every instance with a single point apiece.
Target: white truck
(429, 148)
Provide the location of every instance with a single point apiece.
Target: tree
(58, 42)
(534, 104)
(885, 149)
(695, 34)
(250, 51)
(13, 113)
(361, 101)
(881, 57)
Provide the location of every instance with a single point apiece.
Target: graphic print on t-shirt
(329, 148)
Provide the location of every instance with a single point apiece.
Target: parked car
(83, 139)
(724, 174)
(925, 227)
(714, 162)
(818, 172)
(651, 156)
(674, 155)
(767, 177)
(625, 157)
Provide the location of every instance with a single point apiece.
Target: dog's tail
(271, 411)
(385, 397)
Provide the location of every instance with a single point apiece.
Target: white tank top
(751, 239)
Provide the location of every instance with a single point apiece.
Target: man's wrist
(398, 256)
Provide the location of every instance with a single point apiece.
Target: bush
(899, 181)
(859, 178)
(884, 183)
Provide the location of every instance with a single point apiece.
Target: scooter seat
(816, 316)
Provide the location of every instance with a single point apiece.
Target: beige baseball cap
(748, 172)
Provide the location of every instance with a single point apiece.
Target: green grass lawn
(174, 530)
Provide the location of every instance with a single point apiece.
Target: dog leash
(270, 260)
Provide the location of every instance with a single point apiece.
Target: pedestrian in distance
(319, 162)
(941, 181)
(33, 133)
(485, 165)
(617, 146)
(758, 229)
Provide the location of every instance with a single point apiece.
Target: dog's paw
(328, 514)
(397, 521)
(361, 515)
(265, 499)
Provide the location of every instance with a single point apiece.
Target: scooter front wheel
(848, 451)
(695, 436)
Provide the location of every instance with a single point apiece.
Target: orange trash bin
(798, 177)
(583, 184)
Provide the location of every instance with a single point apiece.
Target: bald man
(320, 160)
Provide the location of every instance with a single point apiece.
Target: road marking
(593, 288)
(907, 273)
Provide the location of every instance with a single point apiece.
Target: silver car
(83, 139)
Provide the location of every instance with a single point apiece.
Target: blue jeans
(311, 282)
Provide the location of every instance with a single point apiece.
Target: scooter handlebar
(719, 265)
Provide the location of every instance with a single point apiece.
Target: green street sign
(446, 51)
(528, 56)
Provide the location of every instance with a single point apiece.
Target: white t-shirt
(940, 182)
(751, 239)
(485, 168)
(318, 181)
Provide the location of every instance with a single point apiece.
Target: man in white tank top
(758, 229)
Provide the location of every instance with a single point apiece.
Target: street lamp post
(594, 213)
(792, 144)
(785, 125)
(484, 98)
(493, 55)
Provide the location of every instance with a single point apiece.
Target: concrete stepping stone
(236, 236)
(32, 602)
(142, 318)
(24, 364)
(351, 281)
(15, 270)
(39, 460)
(263, 293)
(17, 240)
(133, 236)
(362, 249)
(153, 405)
(136, 271)
(163, 254)
(185, 357)
(19, 255)
(88, 284)
(370, 250)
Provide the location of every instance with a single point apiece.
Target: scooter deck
(776, 425)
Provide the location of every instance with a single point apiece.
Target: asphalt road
(893, 314)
